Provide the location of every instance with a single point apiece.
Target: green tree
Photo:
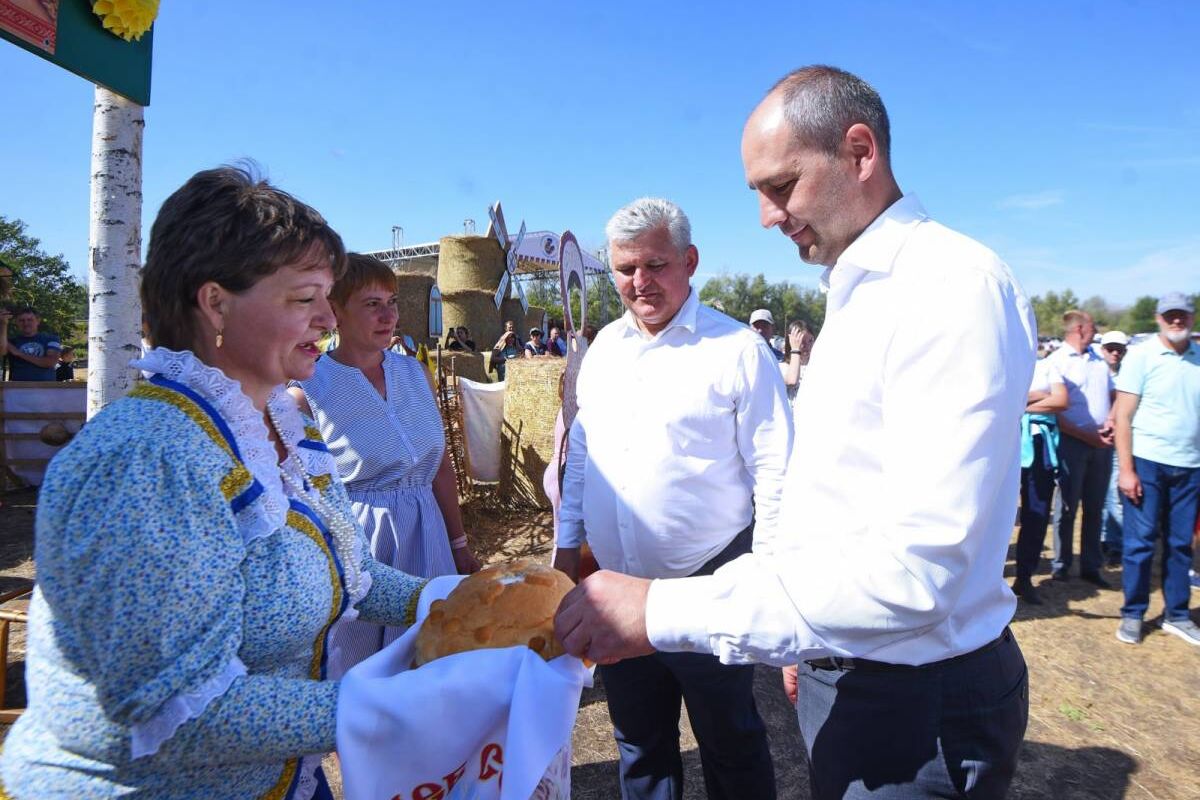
(44, 282)
(544, 291)
(1139, 317)
(1050, 308)
(738, 295)
(1104, 315)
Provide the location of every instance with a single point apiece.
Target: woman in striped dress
(376, 411)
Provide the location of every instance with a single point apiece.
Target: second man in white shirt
(675, 466)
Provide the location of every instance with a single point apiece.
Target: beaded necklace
(340, 525)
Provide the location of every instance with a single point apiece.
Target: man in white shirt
(674, 467)
(885, 580)
(1085, 454)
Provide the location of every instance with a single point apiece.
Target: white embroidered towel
(483, 725)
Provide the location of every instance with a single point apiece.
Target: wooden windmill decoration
(500, 231)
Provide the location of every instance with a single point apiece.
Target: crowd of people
(1132, 481)
(215, 549)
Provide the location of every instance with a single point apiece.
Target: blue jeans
(1169, 496)
(1037, 487)
(1082, 482)
(1114, 514)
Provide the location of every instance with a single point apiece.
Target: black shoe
(1112, 558)
(1024, 589)
(1060, 575)
(1096, 579)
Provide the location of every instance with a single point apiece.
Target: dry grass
(1107, 720)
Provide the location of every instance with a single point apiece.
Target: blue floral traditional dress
(177, 636)
(387, 451)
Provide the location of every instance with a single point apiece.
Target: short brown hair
(1073, 318)
(230, 226)
(361, 270)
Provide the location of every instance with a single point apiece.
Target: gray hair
(820, 104)
(648, 214)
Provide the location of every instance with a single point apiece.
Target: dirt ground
(1106, 720)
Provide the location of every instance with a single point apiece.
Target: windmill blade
(521, 294)
(520, 236)
(497, 228)
(502, 292)
(512, 250)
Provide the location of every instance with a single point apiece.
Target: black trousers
(644, 699)
(942, 730)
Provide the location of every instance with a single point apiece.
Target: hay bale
(535, 317)
(471, 366)
(527, 434)
(412, 302)
(469, 271)
(469, 262)
(477, 311)
(511, 309)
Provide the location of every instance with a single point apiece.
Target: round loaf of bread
(501, 606)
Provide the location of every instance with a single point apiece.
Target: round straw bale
(511, 309)
(527, 435)
(412, 303)
(466, 365)
(535, 317)
(477, 311)
(469, 262)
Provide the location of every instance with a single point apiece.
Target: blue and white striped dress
(387, 452)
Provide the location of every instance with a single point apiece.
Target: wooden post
(115, 247)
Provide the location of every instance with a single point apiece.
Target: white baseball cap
(761, 315)
(1114, 337)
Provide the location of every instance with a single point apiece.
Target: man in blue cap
(1157, 420)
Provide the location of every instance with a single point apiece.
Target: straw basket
(412, 301)
(469, 271)
(527, 435)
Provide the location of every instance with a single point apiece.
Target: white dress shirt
(898, 507)
(679, 438)
(1089, 385)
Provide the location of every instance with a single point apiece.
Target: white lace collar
(269, 512)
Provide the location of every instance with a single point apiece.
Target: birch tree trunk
(115, 247)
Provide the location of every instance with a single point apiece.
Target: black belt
(866, 665)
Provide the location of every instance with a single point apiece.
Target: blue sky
(1064, 135)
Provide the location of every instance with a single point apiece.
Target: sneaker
(1096, 579)
(1130, 631)
(1183, 628)
(1194, 578)
(1112, 558)
(1023, 589)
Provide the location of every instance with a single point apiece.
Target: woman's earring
(220, 338)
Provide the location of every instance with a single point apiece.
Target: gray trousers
(1083, 473)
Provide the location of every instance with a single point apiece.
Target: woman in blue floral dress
(194, 542)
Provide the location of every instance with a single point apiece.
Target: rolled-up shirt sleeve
(937, 460)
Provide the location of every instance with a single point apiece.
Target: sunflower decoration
(129, 19)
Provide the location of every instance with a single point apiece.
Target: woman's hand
(800, 341)
(464, 561)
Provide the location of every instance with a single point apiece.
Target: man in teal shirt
(1157, 419)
